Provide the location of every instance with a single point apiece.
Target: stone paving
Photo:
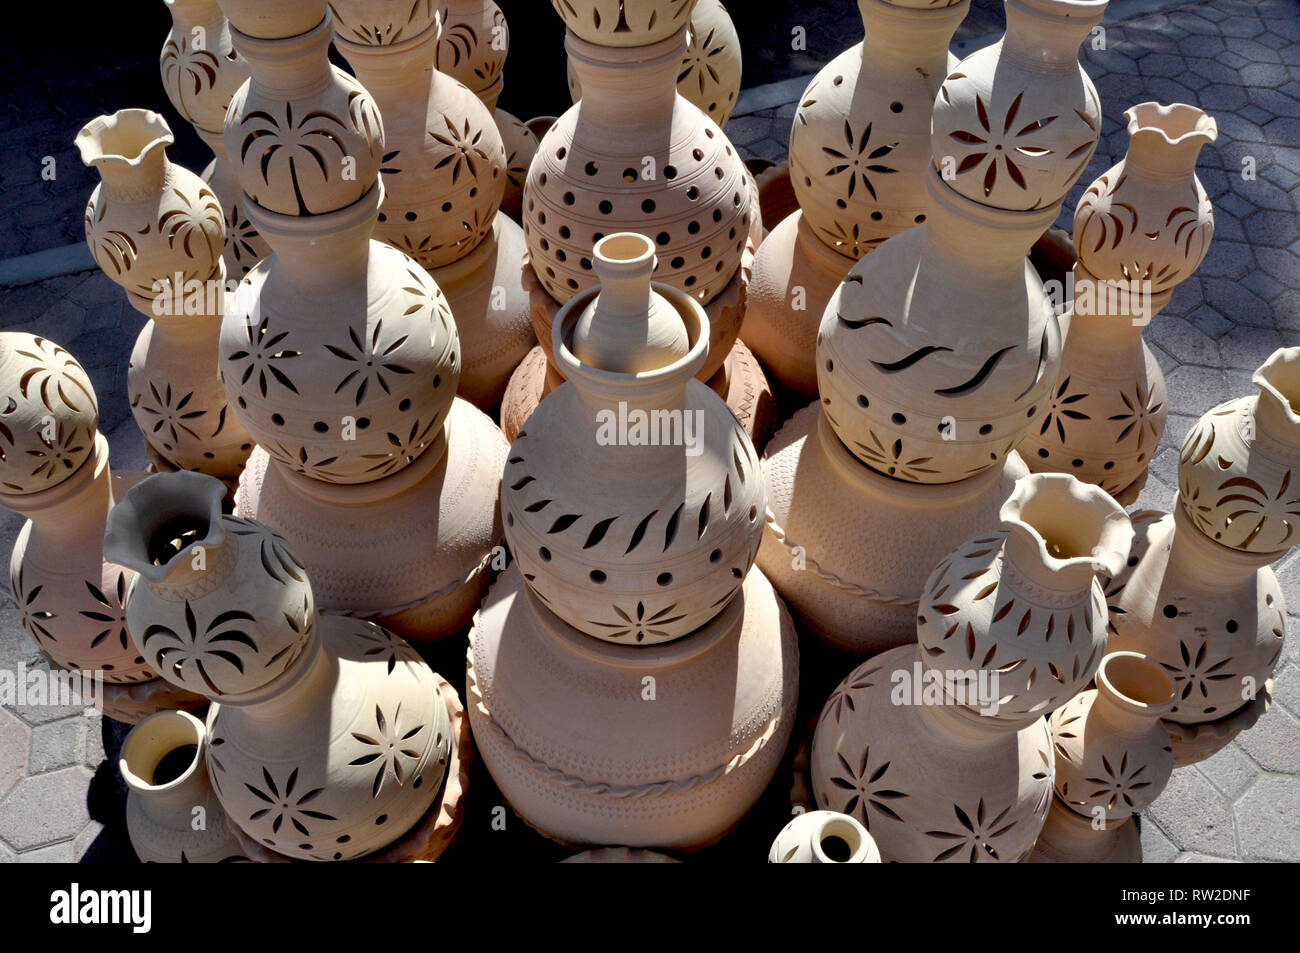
(60, 794)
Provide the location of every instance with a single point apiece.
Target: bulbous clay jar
(473, 46)
(172, 814)
(1113, 756)
(560, 721)
(662, 168)
(1016, 122)
(1068, 838)
(1141, 228)
(201, 72)
(328, 739)
(617, 23)
(917, 390)
(823, 503)
(823, 837)
(662, 534)
(860, 142)
(384, 22)
(1027, 603)
(414, 552)
(521, 145)
(931, 782)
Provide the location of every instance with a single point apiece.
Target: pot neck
(1044, 36)
(148, 178)
(908, 37)
(312, 674)
(612, 77)
(146, 747)
(1133, 693)
(1165, 141)
(964, 727)
(289, 68)
(1111, 308)
(72, 512)
(1208, 566)
(321, 254)
(400, 76)
(1277, 408)
(188, 14)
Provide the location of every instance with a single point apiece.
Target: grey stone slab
(1191, 857)
(1274, 741)
(61, 853)
(1237, 303)
(1268, 289)
(1230, 771)
(1286, 688)
(45, 809)
(1268, 819)
(1194, 815)
(56, 745)
(1156, 847)
(1193, 390)
(1227, 259)
(746, 129)
(14, 737)
(1246, 348)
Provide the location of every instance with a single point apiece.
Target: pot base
(1069, 838)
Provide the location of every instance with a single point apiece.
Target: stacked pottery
(444, 172)
(632, 679)
(1200, 599)
(475, 42)
(941, 750)
(823, 837)
(1113, 758)
(201, 71)
(157, 230)
(339, 353)
(634, 154)
(328, 739)
(859, 147)
(938, 351)
(1141, 228)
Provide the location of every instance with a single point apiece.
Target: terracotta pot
(651, 563)
(860, 142)
(823, 837)
(591, 176)
(1016, 122)
(1195, 743)
(1026, 603)
(915, 393)
(1113, 756)
(521, 145)
(776, 198)
(328, 739)
(618, 24)
(272, 19)
(133, 702)
(862, 599)
(1141, 228)
(201, 72)
(560, 722)
(473, 47)
(1240, 459)
(172, 814)
(1067, 838)
(930, 781)
(415, 551)
(384, 22)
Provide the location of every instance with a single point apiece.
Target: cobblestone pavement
(60, 795)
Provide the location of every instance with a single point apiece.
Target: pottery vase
(1027, 603)
(520, 144)
(823, 837)
(664, 528)
(328, 738)
(157, 230)
(201, 72)
(172, 813)
(1015, 123)
(473, 47)
(1070, 838)
(616, 23)
(1140, 229)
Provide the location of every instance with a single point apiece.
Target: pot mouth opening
(1280, 377)
(176, 536)
(1174, 123)
(127, 136)
(163, 751)
(1136, 680)
(838, 842)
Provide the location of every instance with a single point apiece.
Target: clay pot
(1239, 461)
(862, 599)
(823, 837)
(521, 145)
(860, 142)
(273, 19)
(911, 390)
(473, 47)
(415, 551)
(1141, 228)
(931, 782)
(172, 814)
(1113, 756)
(662, 168)
(1016, 122)
(329, 739)
(1027, 603)
(615, 23)
(561, 723)
(1068, 838)
(657, 561)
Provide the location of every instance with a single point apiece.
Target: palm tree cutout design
(282, 807)
(111, 612)
(865, 789)
(990, 145)
(390, 749)
(857, 161)
(974, 834)
(219, 639)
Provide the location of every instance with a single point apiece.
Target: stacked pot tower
(634, 154)
(938, 351)
(339, 354)
(632, 678)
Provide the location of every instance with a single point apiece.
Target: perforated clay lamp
(328, 738)
(1140, 229)
(172, 813)
(1201, 598)
(823, 837)
(638, 575)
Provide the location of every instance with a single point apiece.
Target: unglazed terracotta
(1140, 229)
(660, 533)
(633, 154)
(1016, 122)
(620, 23)
(201, 72)
(157, 230)
(938, 351)
(1113, 756)
(822, 504)
(173, 815)
(1068, 838)
(860, 141)
(328, 739)
(823, 837)
(560, 721)
(521, 145)
(931, 782)
(273, 19)
(1027, 603)
(473, 47)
